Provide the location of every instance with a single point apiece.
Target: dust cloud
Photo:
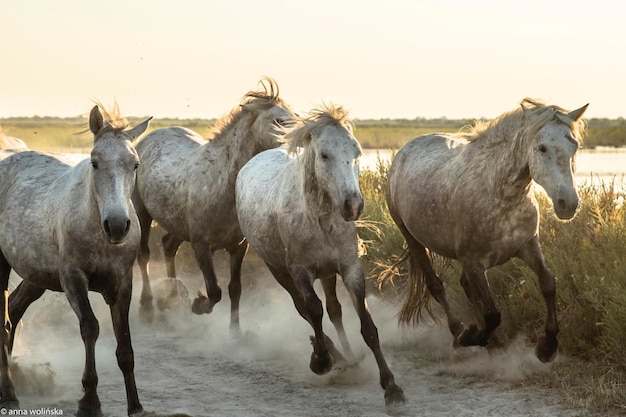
(192, 365)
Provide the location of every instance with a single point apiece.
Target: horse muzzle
(116, 229)
(566, 206)
(352, 208)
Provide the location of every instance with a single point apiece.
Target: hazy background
(380, 59)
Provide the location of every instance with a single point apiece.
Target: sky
(378, 59)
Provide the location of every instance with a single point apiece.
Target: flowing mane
(317, 119)
(522, 123)
(265, 97)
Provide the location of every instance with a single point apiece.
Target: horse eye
(324, 156)
(543, 149)
(94, 164)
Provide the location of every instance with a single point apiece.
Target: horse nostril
(127, 228)
(561, 204)
(107, 228)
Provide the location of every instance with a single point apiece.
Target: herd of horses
(289, 186)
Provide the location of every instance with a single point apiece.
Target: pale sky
(377, 58)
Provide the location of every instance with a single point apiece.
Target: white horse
(469, 197)
(10, 142)
(73, 229)
(298, 213)
(187, 185)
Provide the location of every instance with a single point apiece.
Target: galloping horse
(9, 142)
(187, 184)
(73, 229)
(298, 213)
(469, 197)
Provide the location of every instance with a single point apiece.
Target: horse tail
(417, 297)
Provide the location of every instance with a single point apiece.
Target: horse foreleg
(477, 288)
(204, 304)
(19, 301)
(546, 347)
(287, 282)
(75, 285)
(124, 352)
(146, 309)
(355, 284)
(321, 360)
(234, 286)
(333, 307)
(7, 392)
(170, 248)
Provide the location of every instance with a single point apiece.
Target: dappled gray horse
(187, 185)
(298, 213)
(73, 229)
(469, 197)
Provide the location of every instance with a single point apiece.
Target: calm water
(592, 165)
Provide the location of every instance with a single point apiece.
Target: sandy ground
(191, 365)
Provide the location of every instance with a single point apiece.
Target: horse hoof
(321, 365)
(545, 351)
(394, 396)
(467, 337)
(201, 305)
(86, 412)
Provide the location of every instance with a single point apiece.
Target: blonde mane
(316, 120)
(266, 96)
(524, 122)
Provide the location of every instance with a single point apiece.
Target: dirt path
(190, 364)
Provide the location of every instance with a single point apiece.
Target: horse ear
(138, 130)
(575, 115)
(96, 121)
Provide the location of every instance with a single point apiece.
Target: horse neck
(507, 161)
(235, 143)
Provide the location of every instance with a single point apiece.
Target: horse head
(114, 162)
(332, 153)
(268, 112)
(552, 157)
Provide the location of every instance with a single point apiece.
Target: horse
(73, 229)
(469, 196)
(10, 145)
(298, 212)
(10, 142)
(187, 185)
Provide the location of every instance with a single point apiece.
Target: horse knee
(89, 328)
(143, 255)
(125, 358)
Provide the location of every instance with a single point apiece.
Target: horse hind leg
(234, 286)
(333, 308)
(204, 304)
(420, 262)
(7, 391)
(475, 284)
(170, 248)
(146, 308)
(19, 300)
